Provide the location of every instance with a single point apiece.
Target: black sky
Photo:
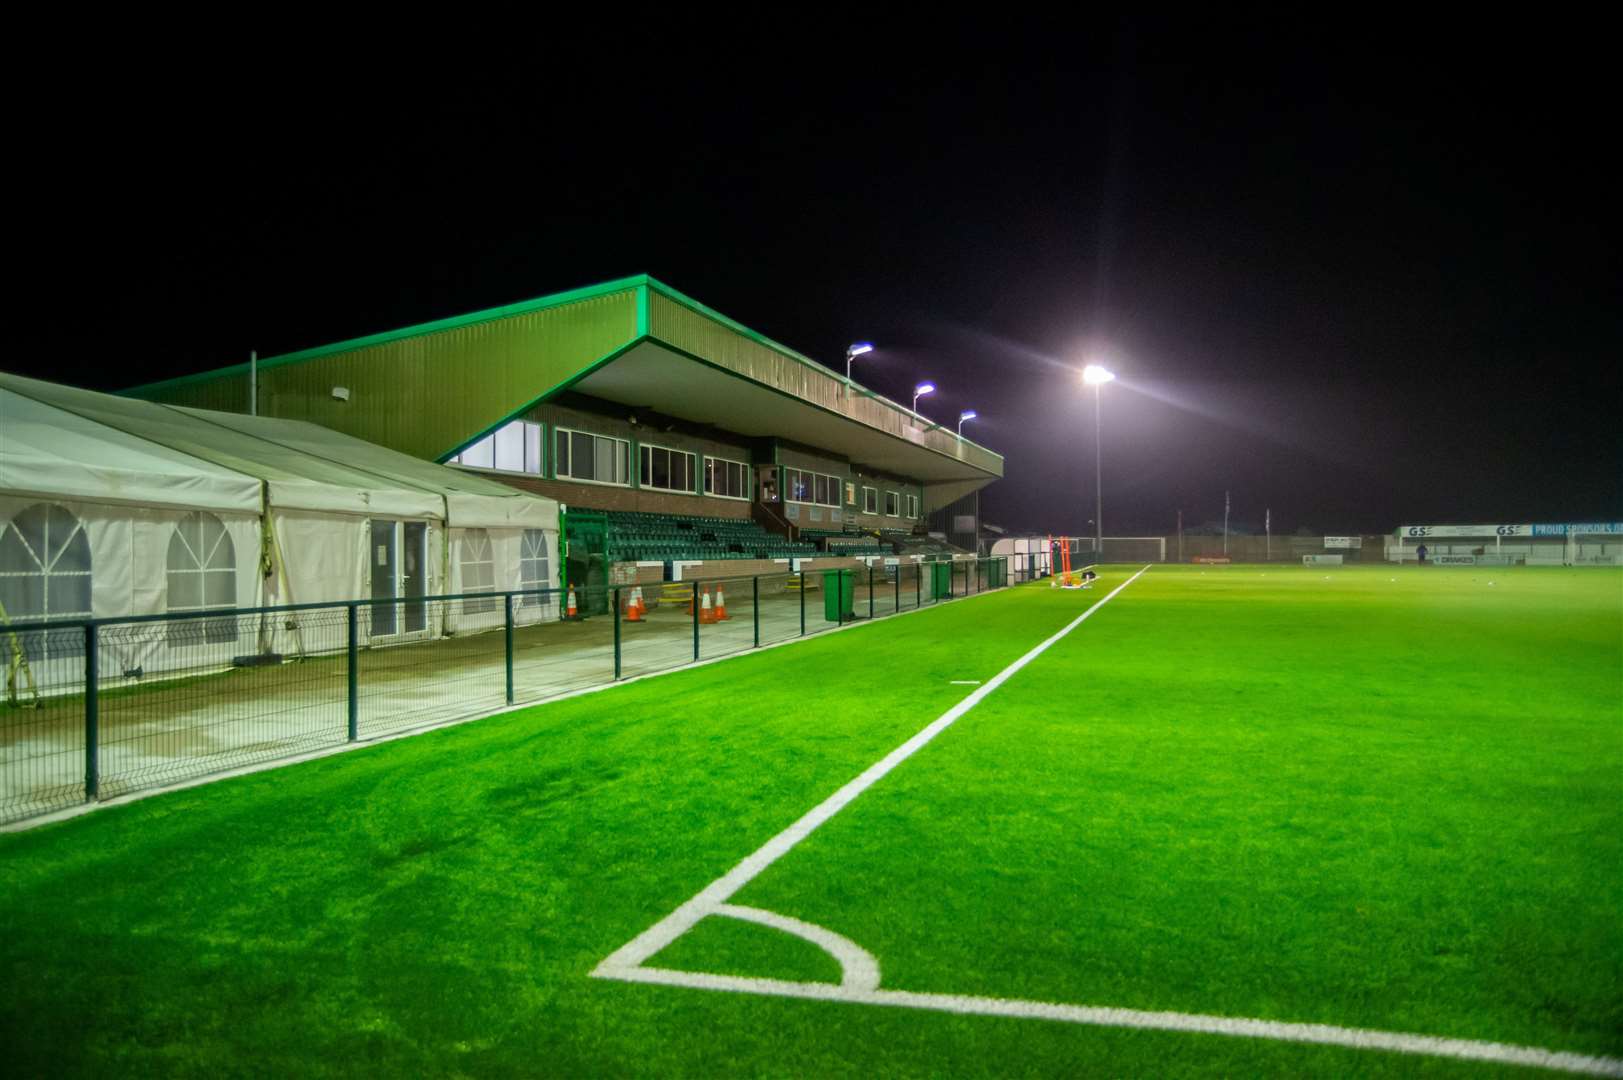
(1359, 274)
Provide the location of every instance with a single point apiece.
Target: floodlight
(919, 391)
(1093, 375)
(967, 414)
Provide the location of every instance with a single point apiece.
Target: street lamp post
(919, 391)
(1096, 376)
(967, 414)
(851, 354)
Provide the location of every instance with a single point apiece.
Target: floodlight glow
(923, 388)
(858, 349)
(1093, 375)
(967, 415)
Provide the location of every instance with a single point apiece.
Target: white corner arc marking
(858, 968)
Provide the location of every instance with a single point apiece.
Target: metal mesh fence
(105, 707)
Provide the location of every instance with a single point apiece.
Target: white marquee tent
(111, 506)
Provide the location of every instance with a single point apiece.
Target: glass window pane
(584, 456)
(532, 449)
(560, 453)
(481, 454)
(661, 472)
(510, 447)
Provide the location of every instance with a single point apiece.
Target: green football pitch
(1245, 820)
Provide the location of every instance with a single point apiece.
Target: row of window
(46, 573)
(602, 459)
(893, 503)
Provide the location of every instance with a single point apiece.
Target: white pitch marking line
(1196, 1023)
(965, 682)
(625, 963)
(647, 944)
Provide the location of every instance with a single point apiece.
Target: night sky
(1360, 275)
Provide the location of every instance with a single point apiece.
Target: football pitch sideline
(1248, 820)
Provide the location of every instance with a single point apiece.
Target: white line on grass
(657, 937)
(1100, 1016)
(859, 983)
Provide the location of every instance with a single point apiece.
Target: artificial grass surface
(1353, 800)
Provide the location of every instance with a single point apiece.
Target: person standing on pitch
(1420, 554)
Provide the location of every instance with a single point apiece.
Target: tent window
(534, 571)
(45, 576)
(478, 571)
(202, 577)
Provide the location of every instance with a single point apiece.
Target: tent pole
(253, 382)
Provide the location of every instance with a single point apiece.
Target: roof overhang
(654, 376)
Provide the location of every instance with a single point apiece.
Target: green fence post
(803, 602)
(354, 674)
(898, 589)
(509, 599)
(918, 584)
(92, 715)
(695, 620)
(617, 632)
(755, 607)
(870, 591)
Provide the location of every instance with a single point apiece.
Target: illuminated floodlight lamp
(1094, 375)
(967, 414)
(852, 353)
(919, 391)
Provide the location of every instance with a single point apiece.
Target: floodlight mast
(967, 414)
(1096, 377)
(919, 391)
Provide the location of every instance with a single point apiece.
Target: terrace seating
(635, 536)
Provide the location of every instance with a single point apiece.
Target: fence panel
(42, 721)
(228, 697)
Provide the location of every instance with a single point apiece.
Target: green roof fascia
(761, 339)
(590, 292)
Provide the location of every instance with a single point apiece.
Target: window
(202, 577)
(44, 576)
(478, 571)
(809, 487)
(534, 569)
(514, 447)
(893, 504)
(665, 469)
(726, 479)
(596, 459)
(912, 505)
(870, 500)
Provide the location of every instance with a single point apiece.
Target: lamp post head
(1094, 375)
(858, 349)
(923, 388)
(967, 414)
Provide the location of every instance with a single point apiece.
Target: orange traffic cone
(642, 605)
(633, 611)
(707, 614)
(570, 610)
(721, 605)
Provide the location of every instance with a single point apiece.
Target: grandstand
(673, 435)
